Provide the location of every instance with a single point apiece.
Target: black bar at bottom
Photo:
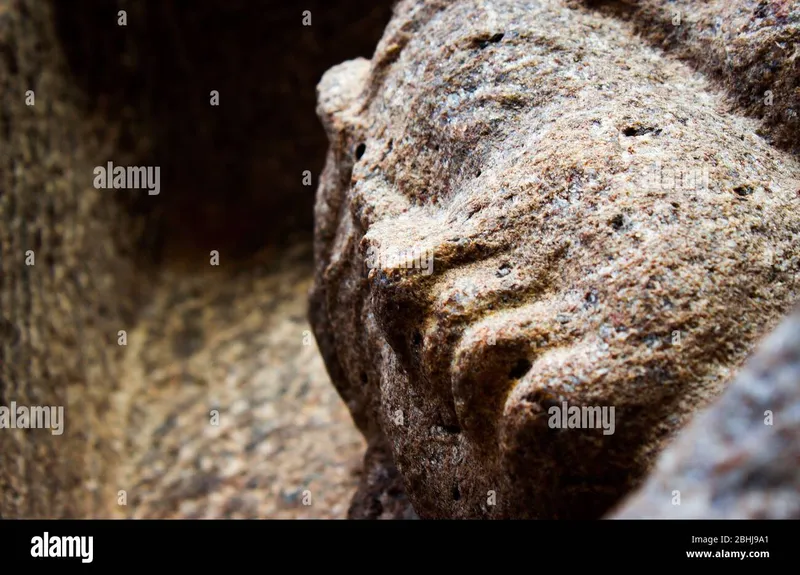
(209, 544)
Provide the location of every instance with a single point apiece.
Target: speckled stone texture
(200, 338)
(232, 340)
(750, 48)
(739, 460)
(59, 316)
(517, 141)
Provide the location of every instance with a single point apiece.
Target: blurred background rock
(232, 337)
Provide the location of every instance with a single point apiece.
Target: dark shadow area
(232, 174)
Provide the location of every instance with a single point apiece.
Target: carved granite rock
(739, 460)
(524, 208)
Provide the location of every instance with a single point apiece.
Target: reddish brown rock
(515, 143)
(751, 48)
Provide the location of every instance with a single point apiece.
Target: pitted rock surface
(517, 142)
(750, 48)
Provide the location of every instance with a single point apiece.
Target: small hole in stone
(456, 493)
(416, 339)
(482, 42)
(478, 174)
(520, 368)
(363, 378)
(743, 190)
(631, 131)
(617, 222)
(504, 270)
(360, 149)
